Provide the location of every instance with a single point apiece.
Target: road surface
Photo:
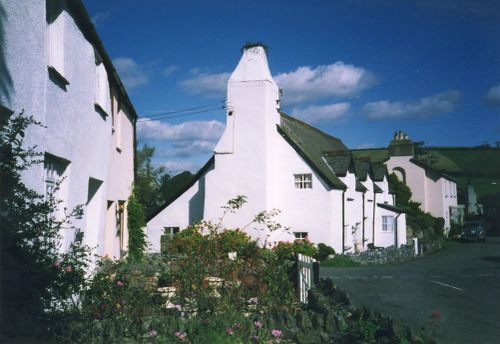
(462, 283)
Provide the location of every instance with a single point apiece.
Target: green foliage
(289, 250)
(423, 224)
(171, 186)
(148, 180)
(402, 191)
(324, 251)
(37, 280)
(137, 238)
(340, 261)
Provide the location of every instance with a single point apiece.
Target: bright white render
(279, 162)
(55, 68)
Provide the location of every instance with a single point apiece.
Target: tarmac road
(462, 283)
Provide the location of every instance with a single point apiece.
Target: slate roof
(360, 187)
(391, 208)
(362, 168)
(378, 171)
(311, 143)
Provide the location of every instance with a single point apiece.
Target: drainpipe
(373, 220)
(343, 221)
(396, 230)
(363, 236)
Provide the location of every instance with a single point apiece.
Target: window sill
(54, 73)
(99, 109)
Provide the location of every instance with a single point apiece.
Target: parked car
(473, 231)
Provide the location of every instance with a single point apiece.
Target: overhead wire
(142, 119)
(181, 110)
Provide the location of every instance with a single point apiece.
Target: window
(55, 39)
(387, 223)
(303, 181)
(300, 235)
(120, 223)
(53, 174)
(102, 96)
(171, 230)
(54, 169)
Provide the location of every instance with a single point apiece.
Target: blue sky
(358, 70)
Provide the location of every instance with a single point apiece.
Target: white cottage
(54, 67)
(437, 192)
(279, 162)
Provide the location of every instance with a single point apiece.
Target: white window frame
(301, 235)
(303, 180)
(55, 40)
(102, 96)
(171, 230)
(388, 223)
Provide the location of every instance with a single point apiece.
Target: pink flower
(181, 335)
(257, 324)
(57, 265)
(229, 331)
(152, 333)
(435, 315)
(68, 268)
(119, 283)
(178, 307)
(238, 326)
(276, 333)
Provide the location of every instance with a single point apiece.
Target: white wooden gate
(304, 275)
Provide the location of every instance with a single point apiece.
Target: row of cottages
(54, 67)
(434, 190)
(279, 162)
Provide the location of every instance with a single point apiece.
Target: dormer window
(303, 181)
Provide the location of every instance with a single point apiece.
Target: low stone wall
(330, 317)
(384, 255)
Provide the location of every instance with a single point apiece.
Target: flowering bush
(288, 250)
(38, 282)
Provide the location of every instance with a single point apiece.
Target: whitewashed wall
(74, 131)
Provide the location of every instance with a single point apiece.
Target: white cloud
(183, 149)
(190, 130)
(337, 79)
(313, 114)
(131, 73)
(188, 139)
(209, 85)
(169, 70)
(493, 96)
(424, 107)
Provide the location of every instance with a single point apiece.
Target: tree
(148, 180)
(171, 186)
(423, 224)
(37, 279)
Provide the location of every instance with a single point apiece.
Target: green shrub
(289, 250)
(136, 223)
(324, 251)
(340, 261)
(39, 284)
